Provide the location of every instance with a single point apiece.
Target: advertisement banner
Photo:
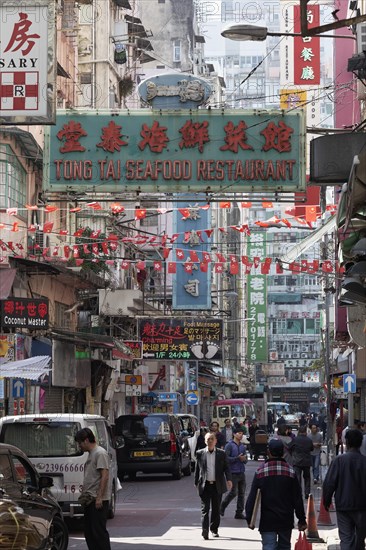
(257, 343)
(181, 338)
(27, 62)
(165, 151)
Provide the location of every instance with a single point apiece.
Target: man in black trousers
(346, 478)
(212, 479)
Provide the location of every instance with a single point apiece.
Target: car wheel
(177, 472)
(60, 535)
(112, 503)
(188, 469)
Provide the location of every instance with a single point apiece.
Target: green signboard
(168, 151)
(257, 347)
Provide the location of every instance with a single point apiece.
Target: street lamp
(243, 32)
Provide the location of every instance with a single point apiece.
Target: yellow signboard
(338, 382)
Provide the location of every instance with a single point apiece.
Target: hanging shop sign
(192, 283)
(24, 313)
(175, 91)
(176, 152)
(174, 338)
(257, 342)
(27, 62)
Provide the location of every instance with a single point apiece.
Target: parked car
(49, 442)
(292, 420)
(191, 426)
(22, 485)
(152, 443)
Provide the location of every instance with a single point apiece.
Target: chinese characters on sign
(307, 49)
(134, 346)
(26, 34)
(24, 313)
(187, 339)
(251, 151)
(257, 302)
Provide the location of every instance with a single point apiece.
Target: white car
(192, 427)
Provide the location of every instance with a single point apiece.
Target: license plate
(143, 453)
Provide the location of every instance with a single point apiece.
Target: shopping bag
(302, 543)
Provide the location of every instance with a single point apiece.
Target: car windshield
(42, 439)
(153, 427)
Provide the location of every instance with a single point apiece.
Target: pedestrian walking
(252, 429)
(317, 439)
(227, 430)
(347, 480)
(212, 478)
(220, 439)
(300, 449)
(237, 457)
(280, 498)
(94, 496)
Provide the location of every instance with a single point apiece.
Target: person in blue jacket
(237, 457)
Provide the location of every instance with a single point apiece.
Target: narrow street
(159, 513)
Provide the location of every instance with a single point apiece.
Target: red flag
(179, 254)
(208, 232)
(304, 265)
(220, 257)
(234, 268)
(105, 247)
(125, 264)
(50, 208)
(286, 222)
(185, 213)
(204, 267)
(166, 252)
(279, 268)
(245, 260)
(267, 204)
(67, 251)
(47, 227)
(172, 267)
(113, 246)
(188, 267)
(219, 268)
(94, 205)
(295, 267)
(95, 234)
(55, 251)
(79, 262)
(95, 249)
(75, 250)
(225, 204)
(206, 257)
(117, 208)
(79, 232)
(327, 267)
(256, 261)
(246, 204)
(15, 227)
(76, 209)
(311, 213)
(193, 256)
(140, 213)
(86, 249)
(141, 265)
(63, 232)
(32, 228)
(248, 268)
(313, 267)
(158, 266)
(31, 207)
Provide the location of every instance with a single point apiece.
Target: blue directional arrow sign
(193, 386)
(167, 396)
(192, 398)
(349, 383)
(18, 385)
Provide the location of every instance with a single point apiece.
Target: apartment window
(177, 53)
(62, 319)
(152, 218)
(13, 185)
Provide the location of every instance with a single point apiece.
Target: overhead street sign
(349, 383)
(167, 396)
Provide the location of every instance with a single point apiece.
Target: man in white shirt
(212, 479)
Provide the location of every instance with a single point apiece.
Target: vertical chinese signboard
(27, 62)
(257, 348)
(306, 49)
(191, 285)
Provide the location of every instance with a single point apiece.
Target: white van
(49, 442)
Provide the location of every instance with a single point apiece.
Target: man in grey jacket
(300, 449)
(346, 478)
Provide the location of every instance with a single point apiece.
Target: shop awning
(30, 369)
